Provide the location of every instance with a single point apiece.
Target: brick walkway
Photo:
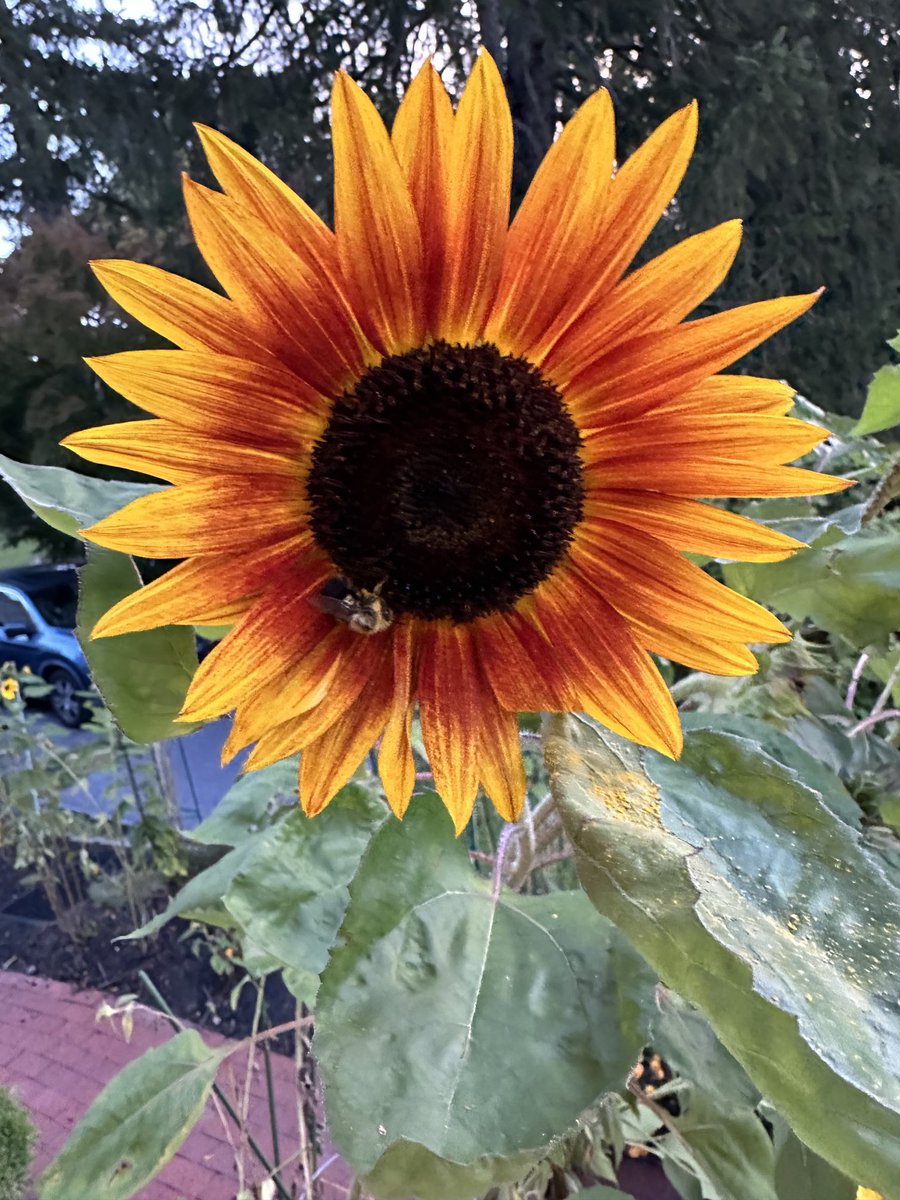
(57, 1057)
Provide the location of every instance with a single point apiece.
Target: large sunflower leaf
(444, 1007)
(251, 803)
(757, 904)
(815, 772)
(66, 500)
(849, 586)
(136, 1123)
(718, 1146)
(291, 889)
(142, 677)
(286, 886)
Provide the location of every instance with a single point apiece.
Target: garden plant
(493, 527)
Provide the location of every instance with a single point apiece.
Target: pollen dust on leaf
(629, 796)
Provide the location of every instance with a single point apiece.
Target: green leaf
(142, 677)
(601, 1193)
(291, 889)
(66, 500)
(882, 407)
(718, 1137)
(286, 886)
(444, 1006)
(810, 770)
(136, 1123)
(250, 804)
(751, 899)
(850, 586)
(201, 897)
(800, 1174)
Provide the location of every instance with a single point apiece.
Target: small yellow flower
(9, 689)
(26, 670)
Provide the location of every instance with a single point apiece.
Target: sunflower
(433, 459)
(9, 689)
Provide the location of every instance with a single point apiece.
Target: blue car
(37, 630)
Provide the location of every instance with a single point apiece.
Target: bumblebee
(363, 610)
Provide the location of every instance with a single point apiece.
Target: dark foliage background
(799, 136)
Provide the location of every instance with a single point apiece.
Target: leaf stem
(854, 680)
(886, 714)
(217, 1091)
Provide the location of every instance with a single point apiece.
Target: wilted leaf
(142, 677)
(446, 1011)
(136, 1123)
(757, 904)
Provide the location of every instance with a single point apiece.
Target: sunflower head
(433, 461)
(9, 689)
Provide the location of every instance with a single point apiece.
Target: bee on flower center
(360, 608)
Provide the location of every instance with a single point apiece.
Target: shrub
(17, 1138)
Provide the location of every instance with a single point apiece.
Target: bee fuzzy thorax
(360, 608)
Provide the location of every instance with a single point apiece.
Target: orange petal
(330, 762)
(451, 697)
(734, 393)
(244, 401)
(652, 368)
(289, 306)
(716, 658)
(689, 525)
(161, 448)
(554, 229)
(657, 296)
(379, 244)
(615, 679)
(421, 137)
(640, 193)
(202, 585)
(185, 313)
(644, 578)
(257, 189)
(500, 766)
(280, 630)
(697, 475)
(520, 664)
(318, 686)
(479, 178)
(769, 441)
(207, 516)
(396, 765)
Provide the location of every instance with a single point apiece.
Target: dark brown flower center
(450, 478)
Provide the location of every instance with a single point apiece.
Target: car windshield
(57, 602)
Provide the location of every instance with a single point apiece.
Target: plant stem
(270, 1095)
(887, 714)
(217, 1091)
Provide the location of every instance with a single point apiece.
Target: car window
(12, 612)
(57, 603)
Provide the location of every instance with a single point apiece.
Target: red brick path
(57, 1057)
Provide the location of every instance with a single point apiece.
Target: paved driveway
(200, 779)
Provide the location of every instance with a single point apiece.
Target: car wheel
(65, 703)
